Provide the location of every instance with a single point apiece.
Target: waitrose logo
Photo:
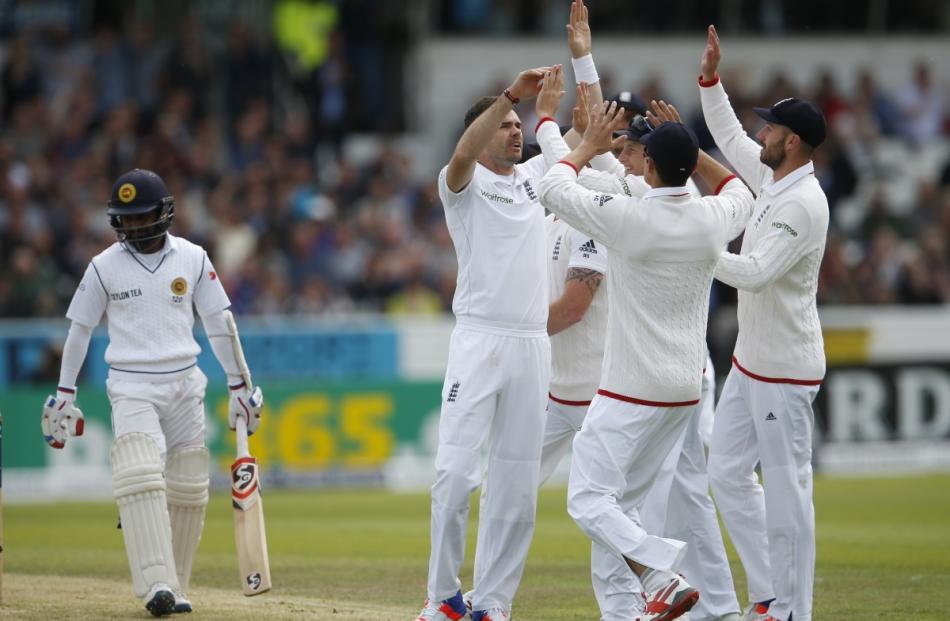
(498, 198)
(784, 227)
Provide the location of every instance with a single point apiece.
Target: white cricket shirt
(577, 352)
(150, 305)
(776, 272)
(663, 250)
(497, 227)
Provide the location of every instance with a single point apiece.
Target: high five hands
(578, 30)
(552, 89)
(661, 112)
(579, 115)
(599, 135)
(709, 62)
(528, 83)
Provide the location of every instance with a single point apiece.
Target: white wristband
(584, 69)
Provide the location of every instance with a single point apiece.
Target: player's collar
(773, 188)
(171, 243)
(667, 191)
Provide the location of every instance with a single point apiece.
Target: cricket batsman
(149, 284)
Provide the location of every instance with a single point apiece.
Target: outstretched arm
(713, 174)
(739, 149)
(580, 42)
(480, 132)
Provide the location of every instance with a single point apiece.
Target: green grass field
(883, 553)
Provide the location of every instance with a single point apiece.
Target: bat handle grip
(240, 432)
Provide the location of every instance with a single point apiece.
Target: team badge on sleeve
(179, 286)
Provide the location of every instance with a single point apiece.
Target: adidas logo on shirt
(588, 249)
(557, 249)
(771, 417)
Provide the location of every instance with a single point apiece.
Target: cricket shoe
(491, 614)
(467, 598)
(757, 612)
(452, 609)
(160, 600)
(181, 603)
(671, 601)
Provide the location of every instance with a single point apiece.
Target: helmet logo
(179, 286)
(127, 193)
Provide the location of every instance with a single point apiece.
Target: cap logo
(179, 286)
(127, 193)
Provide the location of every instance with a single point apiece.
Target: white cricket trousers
(563, 419)
(677, 506)
(495, 388)
(773, 531)
(172, 413)
(617, 456)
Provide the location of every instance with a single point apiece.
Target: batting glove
(61, 417)
(246, 403)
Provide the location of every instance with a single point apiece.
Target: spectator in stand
(923, 106)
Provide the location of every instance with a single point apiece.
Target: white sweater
(776, 273)
(663, 250)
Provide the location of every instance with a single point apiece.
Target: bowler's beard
(772, 158)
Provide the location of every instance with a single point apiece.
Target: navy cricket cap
(638, 128)
(137, 191)
(630, 102)
(674, 150)
(802, 117)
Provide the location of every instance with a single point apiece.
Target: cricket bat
(249, 534)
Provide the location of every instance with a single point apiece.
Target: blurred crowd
(294, 226)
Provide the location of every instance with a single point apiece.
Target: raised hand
(661, 112)
(552, 89)
(580, 117)
(709, 63)
(528, 83)
(599, 134)
(578, 30)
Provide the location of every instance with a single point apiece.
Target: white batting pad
(186, 475)
(139, 489)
